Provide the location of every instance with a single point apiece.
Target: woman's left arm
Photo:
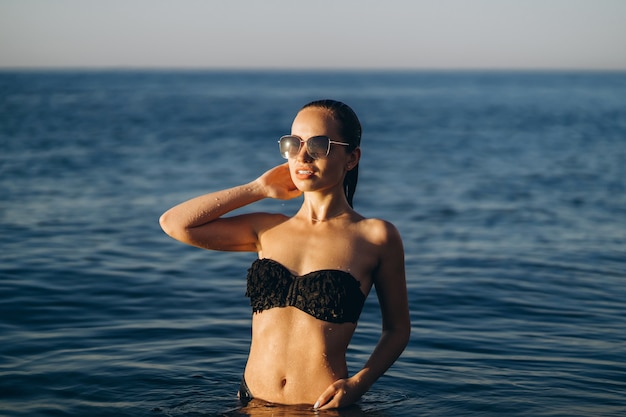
(390, 282)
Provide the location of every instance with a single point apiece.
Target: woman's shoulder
(379, 231)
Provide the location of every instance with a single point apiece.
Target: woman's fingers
(337, 395)
(277, 181)
(326, 396)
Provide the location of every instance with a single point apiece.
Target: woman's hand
(277, 183)
(341, 393)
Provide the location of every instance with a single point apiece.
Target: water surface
(508, 188)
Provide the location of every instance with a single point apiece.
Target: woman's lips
(303, 173)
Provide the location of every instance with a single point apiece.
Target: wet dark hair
(350, 130)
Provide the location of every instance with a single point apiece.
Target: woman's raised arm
(199, 221)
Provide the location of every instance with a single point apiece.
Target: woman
(315, 269)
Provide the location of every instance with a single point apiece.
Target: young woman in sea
(314, 269)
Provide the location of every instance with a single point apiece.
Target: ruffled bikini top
(330, 295)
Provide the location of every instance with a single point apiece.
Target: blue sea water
(509, 189)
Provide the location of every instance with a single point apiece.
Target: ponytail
(349, 183)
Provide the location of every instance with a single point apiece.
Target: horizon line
(139, 68)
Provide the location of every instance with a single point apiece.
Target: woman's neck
(323, 210)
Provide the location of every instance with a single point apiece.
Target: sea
(508, 188)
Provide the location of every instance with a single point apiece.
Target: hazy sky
(405, 34)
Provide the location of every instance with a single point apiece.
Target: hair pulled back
(350, 130)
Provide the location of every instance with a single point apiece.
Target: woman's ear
(353, 159)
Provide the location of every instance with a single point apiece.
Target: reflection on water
(258, 408)
(373, 404)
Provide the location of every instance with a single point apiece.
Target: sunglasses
(317, 146)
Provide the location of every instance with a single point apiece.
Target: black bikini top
(329, 295)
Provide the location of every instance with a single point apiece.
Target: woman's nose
(303, 154)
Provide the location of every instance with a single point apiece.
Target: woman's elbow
(403, 333)
(169, 226)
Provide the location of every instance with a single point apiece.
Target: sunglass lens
(289, 146)
(317, 146)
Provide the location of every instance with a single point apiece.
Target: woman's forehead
(314, 122)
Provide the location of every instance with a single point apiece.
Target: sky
(314, 34)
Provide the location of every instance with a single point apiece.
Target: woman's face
(310, 174)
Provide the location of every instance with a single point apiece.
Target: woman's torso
(295, 356)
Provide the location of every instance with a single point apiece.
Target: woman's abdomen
(295, 357)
